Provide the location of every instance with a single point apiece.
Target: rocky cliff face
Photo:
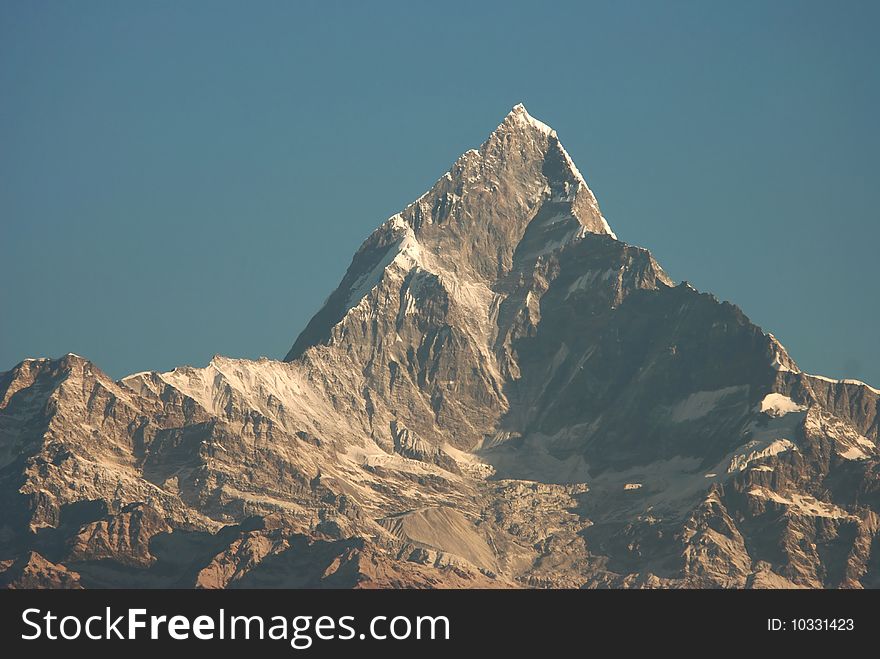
(498, 394)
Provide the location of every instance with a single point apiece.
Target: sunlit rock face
(499, 393)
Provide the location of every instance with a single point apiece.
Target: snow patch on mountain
(857, 383)
(801, 504)
(405, 253)
(520, 115)
(778, 405)
(848, 444)
(586, 280)
(756, 450)
(701, 403)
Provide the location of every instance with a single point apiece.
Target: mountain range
(499, 393)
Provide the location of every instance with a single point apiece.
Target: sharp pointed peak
(519, 115)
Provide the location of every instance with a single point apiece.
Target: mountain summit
(484, 221)
(498, 393)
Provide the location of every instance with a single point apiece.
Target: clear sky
(179, 179)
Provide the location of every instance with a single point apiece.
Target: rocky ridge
(498, 394)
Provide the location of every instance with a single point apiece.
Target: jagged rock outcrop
(498, 394)
(33, 571)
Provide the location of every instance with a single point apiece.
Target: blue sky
(184, 179)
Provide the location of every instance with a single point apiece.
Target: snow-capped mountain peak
(498, 392)
(519, 115)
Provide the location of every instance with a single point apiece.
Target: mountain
(499, 393)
